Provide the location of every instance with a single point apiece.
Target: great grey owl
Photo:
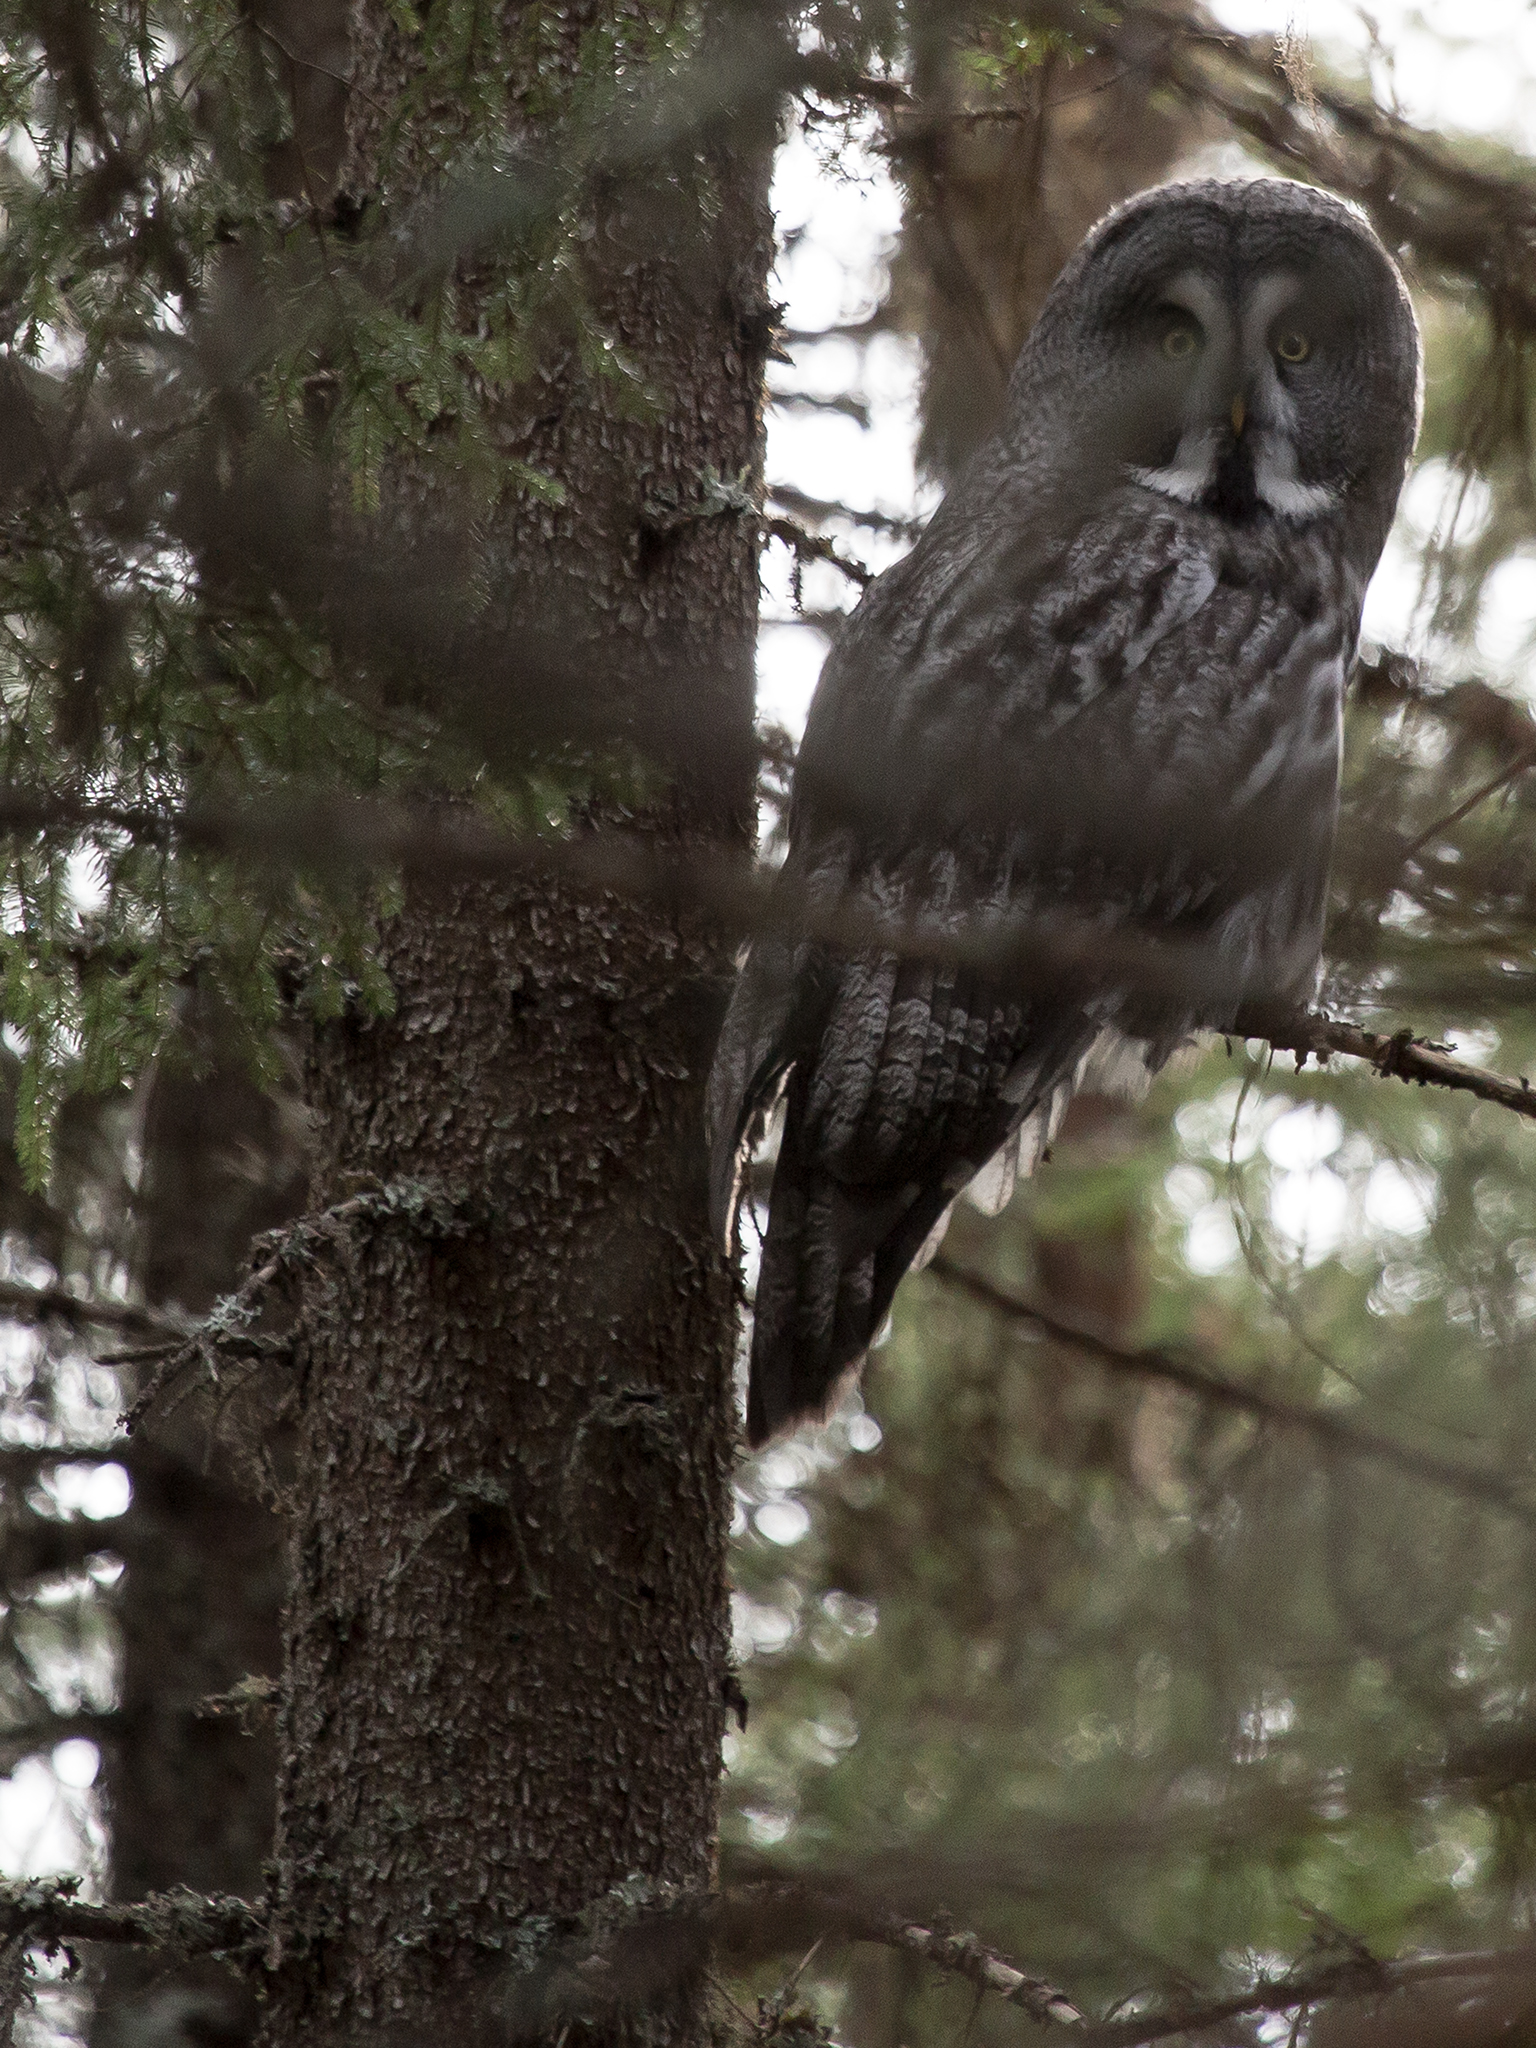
(1101, 698)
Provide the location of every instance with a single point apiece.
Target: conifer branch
(47, 1913)
(1196, 1376)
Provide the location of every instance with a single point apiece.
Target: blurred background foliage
(1158, 1692)
(1158, 1689)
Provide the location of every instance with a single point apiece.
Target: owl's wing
(1119, 729)
(901, 1080)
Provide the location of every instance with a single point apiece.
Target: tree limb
(49, 1304)
(1198, 1378)
(1398, 1054)
(46, 1912)
(229, 1328)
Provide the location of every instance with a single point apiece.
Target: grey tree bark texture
(507, 1635)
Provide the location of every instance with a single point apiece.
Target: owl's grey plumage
(1104, 687)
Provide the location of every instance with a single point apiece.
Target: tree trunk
(994, 209)
(507, 1647)
(189, 1793)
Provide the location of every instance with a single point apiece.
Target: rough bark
(506, 1645)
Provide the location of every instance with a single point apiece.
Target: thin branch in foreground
(1323, 1425)
(624, 1954)
(440, 847)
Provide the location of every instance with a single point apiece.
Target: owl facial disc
(1236, 453)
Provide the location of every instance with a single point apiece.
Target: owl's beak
(1239, 414)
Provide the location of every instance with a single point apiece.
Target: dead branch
(47, 1913)
(80, 1312)
(1197, 1377)
(1398, 1054)
(815, 547)
(229, 1328)
(806, 507)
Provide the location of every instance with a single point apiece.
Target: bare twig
(229, 1326)
(814, 547)
(1197, 1377)
(806, 507)
(840, 402)
(50, 1304)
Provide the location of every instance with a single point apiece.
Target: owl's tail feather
(832, 1261)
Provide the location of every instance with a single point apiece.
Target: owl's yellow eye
(1180, 341)
(1292, 347)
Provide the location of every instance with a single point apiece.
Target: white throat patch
(1193, 472)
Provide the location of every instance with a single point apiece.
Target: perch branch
(1399, 1054)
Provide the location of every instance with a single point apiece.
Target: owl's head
(1246, 347)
